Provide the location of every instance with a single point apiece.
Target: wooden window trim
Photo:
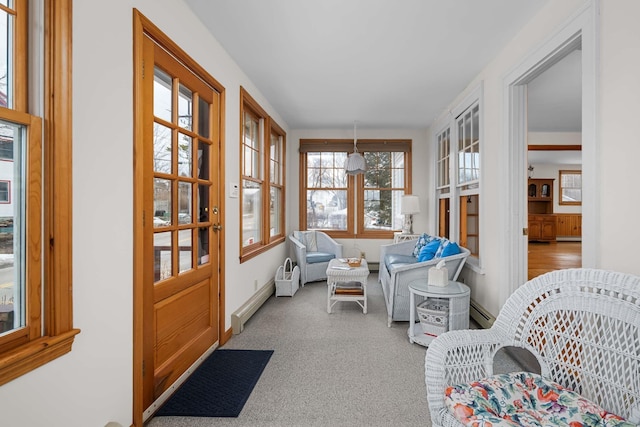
(560, 187)
(355, 184)
(57, 305)
(248, 103)
(275, 129)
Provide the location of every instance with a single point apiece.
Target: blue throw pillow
(422, 240)
(447, 249)
(429, 251)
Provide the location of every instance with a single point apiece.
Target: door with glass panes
(181, 220)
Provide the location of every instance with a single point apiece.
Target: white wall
(420, 168)
(93, 384)
(619, 148)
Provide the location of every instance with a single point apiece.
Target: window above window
(262, 174)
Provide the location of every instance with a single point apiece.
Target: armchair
(312, 251)
(583, 328)
(399, 267)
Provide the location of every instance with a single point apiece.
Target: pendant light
(355, 163)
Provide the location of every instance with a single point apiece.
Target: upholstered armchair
(312, 251)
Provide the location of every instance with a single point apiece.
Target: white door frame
(580, 29)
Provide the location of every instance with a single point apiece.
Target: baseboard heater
(481, 315)
(248, 309)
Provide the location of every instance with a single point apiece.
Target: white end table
(458, 295)
(339, 271)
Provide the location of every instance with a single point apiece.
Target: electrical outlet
(363, 254)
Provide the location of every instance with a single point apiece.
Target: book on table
(349, 288)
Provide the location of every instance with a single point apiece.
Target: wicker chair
(395, 282)
(313, 263)
(582, 326)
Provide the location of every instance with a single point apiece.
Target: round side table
(457, 294)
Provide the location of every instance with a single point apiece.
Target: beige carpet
(339, 369)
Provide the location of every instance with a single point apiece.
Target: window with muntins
(35, 299)
(570, 187)
(262, 165)
(365, 205)
(458, 143)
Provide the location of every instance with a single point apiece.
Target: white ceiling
(555, 97)
(385, 63)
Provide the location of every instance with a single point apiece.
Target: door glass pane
(203, 245)
(12, 229)
(203, 203)
(161, 202)
(204, 119)
(161, 148)
(184, 203)
(6, 55)
(185, 109)
(275, 207)
(162, 256)
(251, 213)
(184, 155)
(185, 245)
(204, 160)
(162, 84)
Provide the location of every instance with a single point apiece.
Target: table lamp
(409, 205)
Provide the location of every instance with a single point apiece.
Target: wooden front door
(178, 192)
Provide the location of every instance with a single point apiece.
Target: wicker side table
(458, 296)
(340, 272)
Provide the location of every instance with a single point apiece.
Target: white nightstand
(399, 237)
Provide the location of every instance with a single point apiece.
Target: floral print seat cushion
(525, 399)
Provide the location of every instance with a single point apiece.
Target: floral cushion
(524, 399)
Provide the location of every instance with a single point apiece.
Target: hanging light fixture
(355, 163)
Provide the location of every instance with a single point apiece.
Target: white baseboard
(244, 313)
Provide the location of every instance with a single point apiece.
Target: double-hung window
(570, 187)
(364, 205)
(457, 157)
(468, 149)
(262, 169)
(35, 227)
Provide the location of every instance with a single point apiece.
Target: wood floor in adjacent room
(549, 256)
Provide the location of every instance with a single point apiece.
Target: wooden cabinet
(542, 221)
(540, 195)
(542, 228)
(569, 225)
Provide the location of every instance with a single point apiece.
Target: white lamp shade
(409, 205)
(355, 164)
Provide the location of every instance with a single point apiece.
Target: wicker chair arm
(459, 357)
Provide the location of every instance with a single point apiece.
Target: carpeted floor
(339, 369)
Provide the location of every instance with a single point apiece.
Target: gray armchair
(313, 260)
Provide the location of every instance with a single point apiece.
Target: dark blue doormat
(220, 386)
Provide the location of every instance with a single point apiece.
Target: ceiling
(383, 63)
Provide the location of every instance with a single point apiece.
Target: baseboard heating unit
(244, 313)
